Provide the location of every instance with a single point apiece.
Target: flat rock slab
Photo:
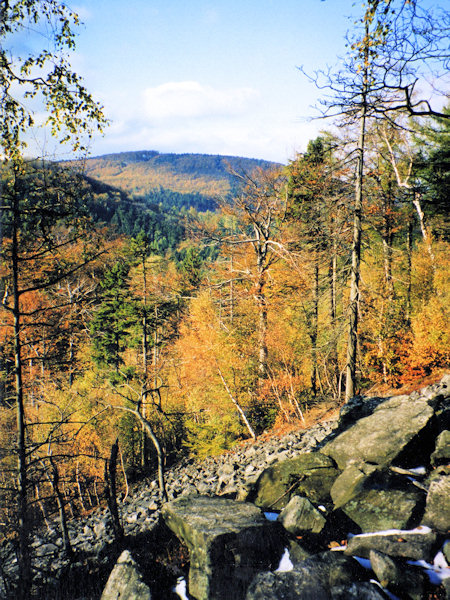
(229, 543)
(382, 436)
(415, 544)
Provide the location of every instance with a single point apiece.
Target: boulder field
(360, 505)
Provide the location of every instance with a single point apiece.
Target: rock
(300, 515)
(297, 553)
(312, 579)
(446, 587)
(382, 436)
(415, 544)
(286, 586)
(357, 591)
(356, 408)
(229, 542)
(125, 581)
(385, 501)
(398, 577)
(446, 551)
(441, 454)
(310, 474)
(350, 482)
(437, 509)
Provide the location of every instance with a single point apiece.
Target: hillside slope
(144, 172)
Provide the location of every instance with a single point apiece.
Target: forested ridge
(173, 179)
(159, 306)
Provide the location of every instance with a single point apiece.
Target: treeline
(146, 173)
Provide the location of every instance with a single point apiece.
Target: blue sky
(213, 76)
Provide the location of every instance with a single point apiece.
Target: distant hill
(172, 180)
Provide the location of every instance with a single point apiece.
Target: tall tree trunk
(24, 557)
(409, 236)
(262, 321)
(111, 491)
(352, 343)
(387, 246)
(423, 228)
(332, 281)
(315, 326)
(61, 508)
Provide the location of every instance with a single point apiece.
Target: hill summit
(143, 172)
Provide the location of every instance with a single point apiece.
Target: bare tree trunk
(315, 326)
(423, 228)
(111, 491)
(61, 508)
(24, 558)
(262, 321)
(237, 405)
(409, 235)
(352, 343)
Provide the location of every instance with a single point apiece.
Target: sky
(208, 76)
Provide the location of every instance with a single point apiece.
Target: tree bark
(352, 343)
(111, 491)
(24, 557)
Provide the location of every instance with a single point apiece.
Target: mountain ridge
(143, 172)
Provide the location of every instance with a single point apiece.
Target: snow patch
(421, 529)
(418, 470)
(285, 563)
(181, 589)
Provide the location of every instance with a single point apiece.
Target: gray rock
(310, 475)
(312, 579)
(300, 515)
(414, 544)
(441, 454)
(446, 587)
(437, 510)
(397, 576)
(285, 586)
(229, 542)
(357, 591)
(381, 508)
(350, 482)
(125, 581)
(382, 436)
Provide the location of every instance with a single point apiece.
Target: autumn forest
(176, 312)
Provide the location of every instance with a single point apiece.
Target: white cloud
(192, 99)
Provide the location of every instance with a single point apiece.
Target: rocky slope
(382, 465)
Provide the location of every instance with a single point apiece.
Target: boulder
(382, 436)
(357, 591)
(350, 482)
(385, 501)
(229, 542)
(311, 475)
(312, 579)
(288, 586)
(125, 581)
(397, 576)
(437, 509)
(414, 544)
(441, 454)
(300, 515)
